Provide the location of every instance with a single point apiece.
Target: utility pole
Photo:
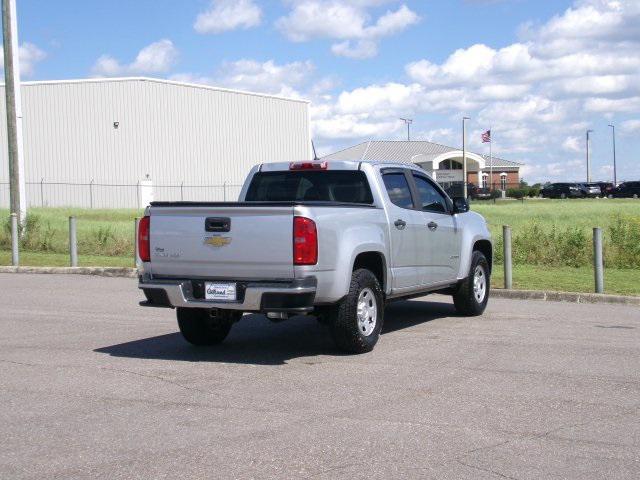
(408, 121)
(464, 156)
(13, 98)
(588, 156)
(613, 133)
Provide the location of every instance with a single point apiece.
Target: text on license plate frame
(221, 291)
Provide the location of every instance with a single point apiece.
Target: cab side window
(431, 200)
(398, 189)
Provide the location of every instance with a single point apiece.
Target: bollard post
(15, 235)
(181, 191)
(73, 242)
(91, 193)
(224, 191)
(506, 240)
(598, 267)
(42, 192)
(136, 226)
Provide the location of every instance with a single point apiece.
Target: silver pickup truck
(338, 240)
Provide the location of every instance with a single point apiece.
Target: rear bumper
(295, 296)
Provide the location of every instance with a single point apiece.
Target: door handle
(400, 224)
(432, 226)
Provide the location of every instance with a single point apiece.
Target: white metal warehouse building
(117, 143)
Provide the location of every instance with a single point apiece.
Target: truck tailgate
(190, 241)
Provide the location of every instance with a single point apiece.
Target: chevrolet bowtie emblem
(217, 241)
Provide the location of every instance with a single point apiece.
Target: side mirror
(460, 205)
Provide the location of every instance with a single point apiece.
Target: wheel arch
(485, 247)
(375, 262)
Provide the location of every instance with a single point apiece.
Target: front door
(438, 238)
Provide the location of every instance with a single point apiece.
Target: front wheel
(472, 294)
(200, 326)
(357, 319)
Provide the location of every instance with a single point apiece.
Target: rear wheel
(472, 294)
(200, 326)
(357, 320)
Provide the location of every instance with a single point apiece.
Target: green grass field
(552, 240)
(581, 213)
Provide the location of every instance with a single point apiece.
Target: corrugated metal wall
(188, 139)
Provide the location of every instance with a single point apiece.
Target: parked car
(591, 190)
(335, 239)
(605, 188)
(626, 190)
(479, 193)
(562, 190)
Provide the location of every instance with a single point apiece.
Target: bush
(517, 192)
(622, 247)
(534, 244)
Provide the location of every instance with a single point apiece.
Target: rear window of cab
(344, 186)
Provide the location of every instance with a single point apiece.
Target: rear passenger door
(402, 230)
(438, 235)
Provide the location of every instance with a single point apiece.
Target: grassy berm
(552, 240)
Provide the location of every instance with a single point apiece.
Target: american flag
(486, 137)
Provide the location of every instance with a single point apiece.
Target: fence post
(224, 191)
(598, 267)
(506, 240)
(91, 193)
(181, 191)
(136, 226)
(42, 192)
(15, 234)
(73, 242)
(138, 194)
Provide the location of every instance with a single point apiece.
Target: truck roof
(338, 164)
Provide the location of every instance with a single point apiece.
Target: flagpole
(490, 159)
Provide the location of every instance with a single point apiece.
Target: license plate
(220, 291)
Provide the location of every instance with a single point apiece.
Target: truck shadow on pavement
(256, 340)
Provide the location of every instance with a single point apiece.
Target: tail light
(305, 241)
(144, 244)
(308, 166)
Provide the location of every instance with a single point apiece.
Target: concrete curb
(495, 292)
(99, 271)
(564, 297)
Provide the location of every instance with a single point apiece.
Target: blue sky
(538, 72)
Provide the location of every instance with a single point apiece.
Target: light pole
(17, 186)
(613, 137)
(408, 121)
(588, 156)
(464, 156)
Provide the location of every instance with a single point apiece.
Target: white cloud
(355, 49)
(158, 57)
(631, 127)
(572, 144)
(610, 105)
(225, 15)
(293, 80)
(29, 55)
(266, 77)
(348, 22)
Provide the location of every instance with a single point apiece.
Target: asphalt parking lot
(93, 386)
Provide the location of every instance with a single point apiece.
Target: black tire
(346, 329)
(199, 327)
(465, 299)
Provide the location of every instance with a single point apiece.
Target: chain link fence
(111, 195)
